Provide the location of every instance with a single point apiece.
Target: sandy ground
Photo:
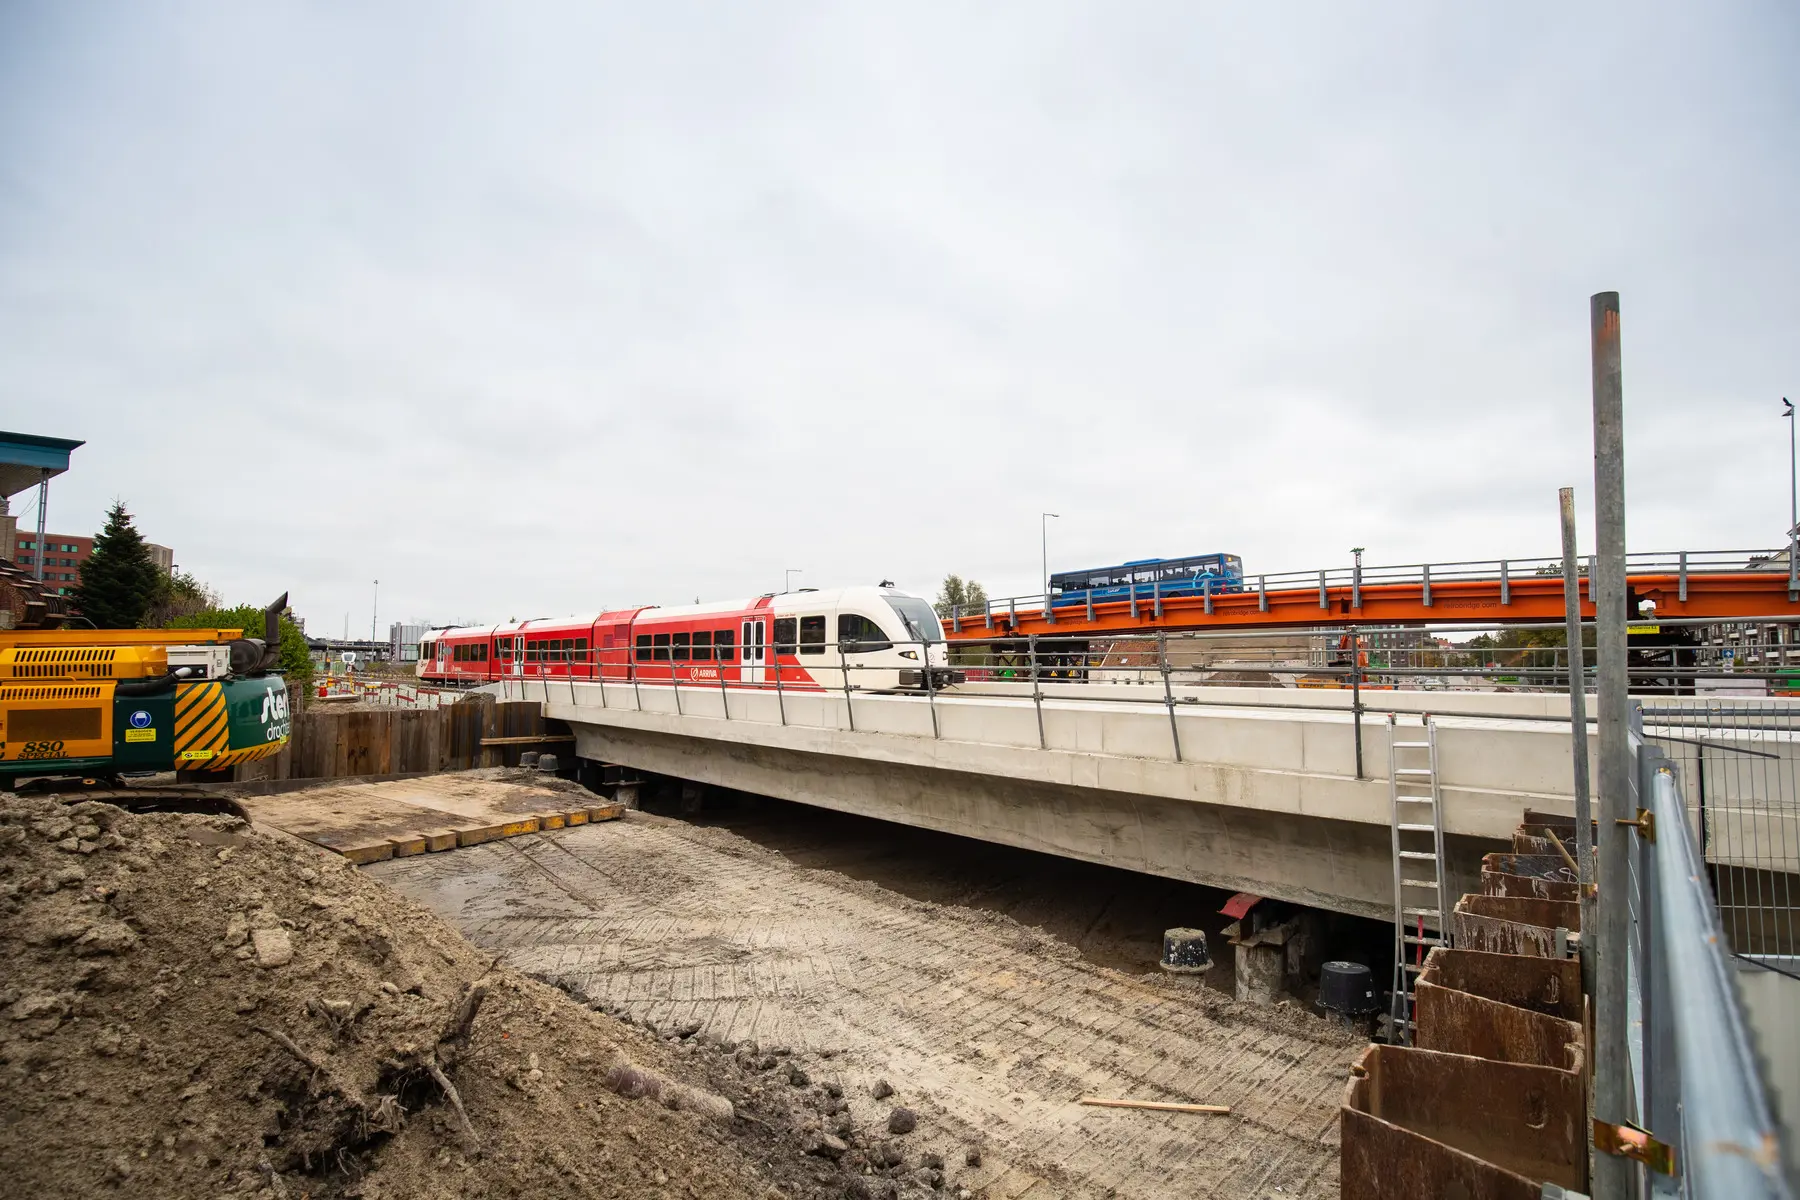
(987, 1002)
(193, 1007)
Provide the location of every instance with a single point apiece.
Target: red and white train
(884, 639)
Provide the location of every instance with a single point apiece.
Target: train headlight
(913, 654)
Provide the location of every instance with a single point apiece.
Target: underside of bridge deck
(1342, 866)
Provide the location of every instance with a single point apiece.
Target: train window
(643, 647)
(483, 648)
(859, 635)
(784, 634)
(505, 645)
(560, 649)
(702, 645)
(679, 651)
(581, 648)
(659, 647)
(812, 635)
(723, 645)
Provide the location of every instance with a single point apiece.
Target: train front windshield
(920, 620)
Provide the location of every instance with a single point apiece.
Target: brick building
(63, 554)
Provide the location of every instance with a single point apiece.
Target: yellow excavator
(101, 703)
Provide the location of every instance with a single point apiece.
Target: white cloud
(531, 312)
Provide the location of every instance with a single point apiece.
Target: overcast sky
(533, 308)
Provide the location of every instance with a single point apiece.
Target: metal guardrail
(1177, 670)
(1681, 564)
(1697, 1086)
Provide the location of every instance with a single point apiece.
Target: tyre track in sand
(987, 1028)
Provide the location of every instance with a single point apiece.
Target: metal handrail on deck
(1678, 565)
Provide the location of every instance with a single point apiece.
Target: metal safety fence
(1149, 583)
(1361, 673)
(1737, 770)
(1703, 1065)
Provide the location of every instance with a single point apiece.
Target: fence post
(844, 662)
(1577, 660)
(1612, 1174)
(930, 693)
(1356, 706)
(1162, 656)
(1037, 692)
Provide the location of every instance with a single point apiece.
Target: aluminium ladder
(1416, 817)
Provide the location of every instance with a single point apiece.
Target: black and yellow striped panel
(201, 732)
(231, 758)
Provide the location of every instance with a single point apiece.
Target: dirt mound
(193, 1007)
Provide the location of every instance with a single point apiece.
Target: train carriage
(879, 638)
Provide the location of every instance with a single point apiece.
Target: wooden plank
(605, 812)
(358, 852)
(527, 740)
(1158, 1105)
(475, 835)
(440, 839)
(575, 816)
(551, 820)
(408, 844)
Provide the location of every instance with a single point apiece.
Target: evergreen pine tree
(120, 583)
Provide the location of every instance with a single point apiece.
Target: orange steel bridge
(1709, 585)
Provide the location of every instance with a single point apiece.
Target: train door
(753, 648)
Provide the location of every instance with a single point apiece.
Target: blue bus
(1145, 577)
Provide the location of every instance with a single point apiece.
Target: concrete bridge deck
(1262, 796)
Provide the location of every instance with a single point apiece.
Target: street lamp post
(787, 578)
(1044, 546)
(1793, 502)
(374, 609)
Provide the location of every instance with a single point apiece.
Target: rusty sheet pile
(1489, 1102)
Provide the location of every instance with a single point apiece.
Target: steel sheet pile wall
(1490, 1100)
(334, 743)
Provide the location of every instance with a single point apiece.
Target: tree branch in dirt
(450, 1093)
(287, 1043)
(457, 1032)
(351, 1097)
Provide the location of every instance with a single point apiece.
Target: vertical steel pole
(1578, 731)
(37, 562)
(930, 694)
(1793, 509)
(1037, 693)
(1612, 1174)
(1356, 707)
(844, 662)
(1162, 658)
